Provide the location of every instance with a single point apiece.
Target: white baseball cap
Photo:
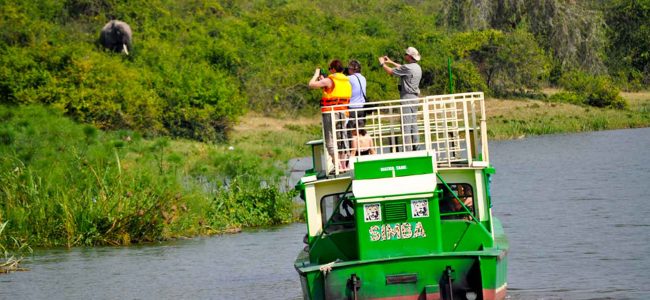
(413, 53)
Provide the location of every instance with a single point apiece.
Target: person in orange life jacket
(336, 95)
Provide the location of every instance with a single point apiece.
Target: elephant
(116, 36)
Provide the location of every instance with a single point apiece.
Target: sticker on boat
(372, 212)
(420, 208)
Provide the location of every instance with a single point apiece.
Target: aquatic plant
(8, 261)
(62, 184)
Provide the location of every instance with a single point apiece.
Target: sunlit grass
(66, 184)
(509, 119)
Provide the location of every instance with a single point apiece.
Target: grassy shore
(508, 119)
(68, 184)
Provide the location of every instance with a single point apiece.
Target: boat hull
(421, 277)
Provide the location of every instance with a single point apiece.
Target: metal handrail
(446, 124)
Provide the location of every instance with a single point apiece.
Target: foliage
(629, 52)
(197, 66)
(67, 184)
(511, 61)
(243, 203)
(572, 31)
(51, 57)
(569, 97)
(598, 91)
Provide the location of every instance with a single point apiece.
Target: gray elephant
(116, 36)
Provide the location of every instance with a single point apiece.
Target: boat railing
(451, 126)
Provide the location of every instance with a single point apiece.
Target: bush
(67, 184)
(598, 91)
(568, 97)
(247, 203)
(48, 55)
(629, 80)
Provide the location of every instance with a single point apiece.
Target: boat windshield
(337, 212)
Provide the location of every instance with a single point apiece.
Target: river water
(576, 209)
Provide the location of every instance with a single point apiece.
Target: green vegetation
(8, 261)
(197, 66)
(101, 148)
(629, 52)
(508, 119)
(585, 89)
(68, 184)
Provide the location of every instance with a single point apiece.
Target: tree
(629, 29)
(512, 62)
(569, 30)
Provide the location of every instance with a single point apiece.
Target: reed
(8, 261)
(66, 184)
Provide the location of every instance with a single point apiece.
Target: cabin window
(450, 206)
(337, 210)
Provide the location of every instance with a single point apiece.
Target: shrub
(598, 91)
(68, 184)
(568, 97)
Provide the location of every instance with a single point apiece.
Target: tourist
(409, 90)
(336, 96)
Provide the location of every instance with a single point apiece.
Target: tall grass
(66, 184)
(8, 260)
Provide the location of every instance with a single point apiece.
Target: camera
(323, 73)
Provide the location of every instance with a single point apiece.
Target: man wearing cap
(409, 90)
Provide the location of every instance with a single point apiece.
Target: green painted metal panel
(341, 245)
(398, 228)
(464, 235)
(373, 277)
(396, 167)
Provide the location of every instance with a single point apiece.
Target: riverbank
(67, 184)
(507, 119)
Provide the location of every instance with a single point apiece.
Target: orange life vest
(339, 93)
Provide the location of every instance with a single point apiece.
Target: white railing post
(484, 148)
(427, 126)
(468, 143)
(380, 130)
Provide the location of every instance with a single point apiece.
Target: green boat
(414, 219)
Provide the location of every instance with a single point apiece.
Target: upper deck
(450, 128)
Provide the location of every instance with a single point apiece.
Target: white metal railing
(452, 126)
